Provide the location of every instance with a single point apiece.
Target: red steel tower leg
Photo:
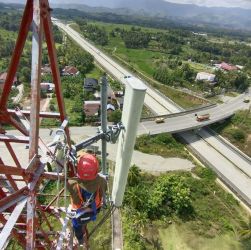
(22, 181)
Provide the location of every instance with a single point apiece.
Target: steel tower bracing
(21, 215)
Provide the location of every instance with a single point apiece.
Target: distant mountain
(4, 7)
(233, 18)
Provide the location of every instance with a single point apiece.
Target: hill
(231, 18)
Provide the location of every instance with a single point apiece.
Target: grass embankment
(146, 112)
(237, 130)
(184, 100)
(163, 144)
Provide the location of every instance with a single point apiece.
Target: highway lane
(241, 163)
(231, 175)
(225, 168)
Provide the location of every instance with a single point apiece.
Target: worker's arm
(72, 188)
(103, 181)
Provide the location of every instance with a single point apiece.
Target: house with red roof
(91, 108)
(227, 67)
(70, 71)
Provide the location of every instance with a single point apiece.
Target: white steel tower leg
(133, 103)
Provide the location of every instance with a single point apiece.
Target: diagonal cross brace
(11, 223)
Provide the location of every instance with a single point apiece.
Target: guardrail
(179, 113)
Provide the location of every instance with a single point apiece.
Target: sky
(209, 3)
(217, 3)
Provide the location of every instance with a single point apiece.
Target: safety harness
(87, 209)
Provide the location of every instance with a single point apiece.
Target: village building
(97, 95)
(110, 93)
(226, 66)
(70, 71)
(110, 108)
(118, 93)
(90, 84)
(204, 76)
(47, 87)
(91, 108)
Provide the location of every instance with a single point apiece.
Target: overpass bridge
(186, 120)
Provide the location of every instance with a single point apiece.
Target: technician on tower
(87, 194)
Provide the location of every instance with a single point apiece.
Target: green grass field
(179, 237)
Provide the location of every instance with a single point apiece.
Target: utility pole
(104, 120)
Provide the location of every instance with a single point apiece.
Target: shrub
(52, 108)
(238, 135)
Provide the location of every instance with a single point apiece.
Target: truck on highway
(203, 117)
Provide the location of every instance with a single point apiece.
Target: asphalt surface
(184, 122)
(214, 153)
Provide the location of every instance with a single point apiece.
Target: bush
(52, 108)
(205, 173)
(168, 194)
(162, 144)
(238, 135)
(115, 116)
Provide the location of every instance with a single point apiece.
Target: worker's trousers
(78, 230)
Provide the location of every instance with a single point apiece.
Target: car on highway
(246, 100)
(160, 120)
(125, 77)
(203, 117)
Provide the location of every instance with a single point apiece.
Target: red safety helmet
(88, 167)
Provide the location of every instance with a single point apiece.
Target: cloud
(217, 3)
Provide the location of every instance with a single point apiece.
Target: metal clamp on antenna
(114, 132)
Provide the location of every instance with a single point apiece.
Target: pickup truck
(203, 117)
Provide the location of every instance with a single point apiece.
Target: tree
(170, 193)
(134, 40)
(25, 75)
(134, 176)
(188, 73)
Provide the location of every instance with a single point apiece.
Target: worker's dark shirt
(89, 185)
